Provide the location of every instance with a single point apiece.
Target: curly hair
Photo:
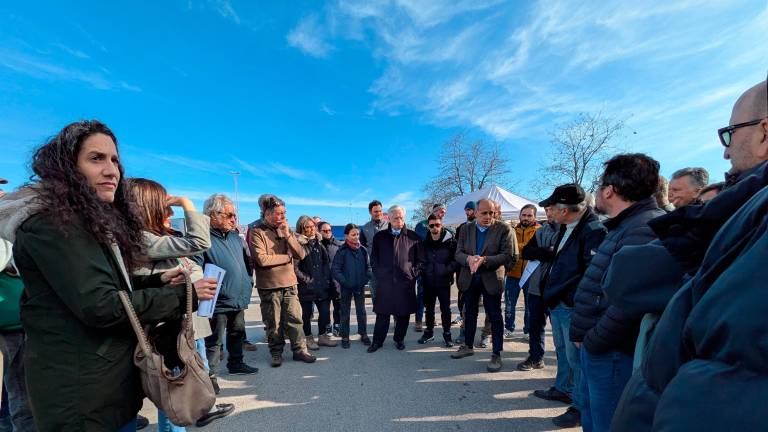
(66, 194)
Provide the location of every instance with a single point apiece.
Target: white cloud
(326, 109)
(309, 37)
(225, 9)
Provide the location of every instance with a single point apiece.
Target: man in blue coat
(605, 333)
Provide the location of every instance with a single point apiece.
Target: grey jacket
(168, 252)
(369, 230)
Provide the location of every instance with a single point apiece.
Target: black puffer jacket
(351, 268)
(603, 327)
(440, 264)
(314, 271)
(568, 265)
(707, 363)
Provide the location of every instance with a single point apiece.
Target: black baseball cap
(3, 181)
(568, 194)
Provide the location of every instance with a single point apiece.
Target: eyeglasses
(726, 133)
(325, 230)
(227, 215)
(435, 225)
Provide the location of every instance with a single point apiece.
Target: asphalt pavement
(419, 389)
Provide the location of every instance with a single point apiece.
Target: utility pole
(237, 200)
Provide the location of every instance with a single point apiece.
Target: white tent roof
(510, 204)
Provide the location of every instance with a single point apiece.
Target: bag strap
(136, 324)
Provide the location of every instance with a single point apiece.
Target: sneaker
(457, 321)
(277, 360)
(335, 330)
(311, 344)
(365, 340)
(304, 356)
(495, 364)
(447, 339)
(249, 346)
(399, 345)
(141, 422)
(482, 343)
(571, 418)
(530, 364)
(345, 343)
(464, 351)
(329, 329)
(242, 369)
(553, 394)
(218, 411)
(508, 334)
(215, 383)
(426, 337)
(324, 340)
(419, 327)
(374, 346)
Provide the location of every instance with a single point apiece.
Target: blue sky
(332, 104)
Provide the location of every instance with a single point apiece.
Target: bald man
(746, 137)
(704, 350)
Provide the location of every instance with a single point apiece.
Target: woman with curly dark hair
(76, 241)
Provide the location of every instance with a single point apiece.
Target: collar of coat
(635, 208)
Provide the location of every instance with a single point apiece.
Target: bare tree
(463, 167)
(578, 151)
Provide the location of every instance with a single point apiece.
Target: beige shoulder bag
(186, 396)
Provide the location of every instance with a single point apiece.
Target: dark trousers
(346, 310)
(492, 304)
(419, 301)
(19, 411)
(229, 326)
(460, 303)
(323, 315)
(336, 310)
(537, 320)
(382, 327)
(431, 294)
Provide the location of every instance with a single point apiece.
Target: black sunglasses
(726, 133)
(435, 225)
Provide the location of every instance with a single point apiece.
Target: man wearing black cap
(580, 235)
(2, 181)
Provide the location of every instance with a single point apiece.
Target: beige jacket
(273, 256)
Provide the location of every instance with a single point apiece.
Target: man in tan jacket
(273, 248)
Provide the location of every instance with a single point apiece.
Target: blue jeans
(12, 347)
(602, 382)
(165, 425)
(511, 293)
(568, 375)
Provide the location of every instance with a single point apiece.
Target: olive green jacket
(78, 354)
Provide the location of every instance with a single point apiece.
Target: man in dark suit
(483, 249)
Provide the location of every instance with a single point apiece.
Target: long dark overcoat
(397, 262)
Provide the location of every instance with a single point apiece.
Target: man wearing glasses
(703, 348)
(746, 139)
(228, 319)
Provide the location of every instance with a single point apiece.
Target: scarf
(351, 245)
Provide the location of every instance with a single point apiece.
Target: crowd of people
(651, 288)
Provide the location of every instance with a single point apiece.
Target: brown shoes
(277, 360)
(324, 340)
(464, 351)
(311, 344)
(495, 364)
(304, 356)
(419, 327)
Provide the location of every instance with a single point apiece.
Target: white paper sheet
(527, 272)
(206, 307)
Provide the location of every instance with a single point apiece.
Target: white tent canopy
(510, 204)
